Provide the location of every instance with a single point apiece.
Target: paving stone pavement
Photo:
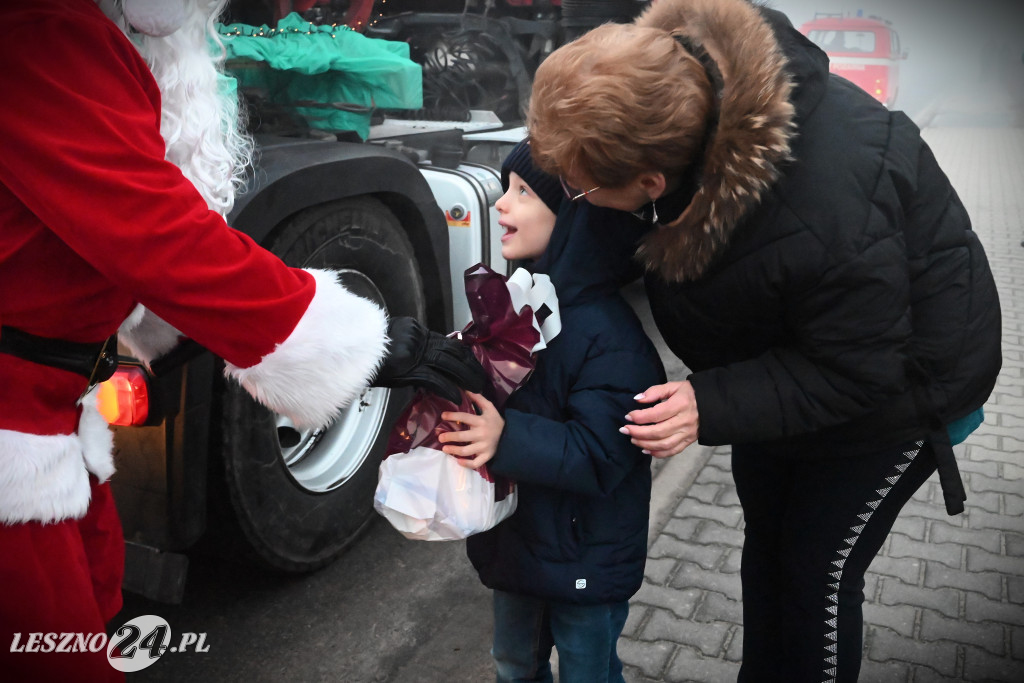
(945, 596)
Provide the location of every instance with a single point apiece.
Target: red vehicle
(863, 50)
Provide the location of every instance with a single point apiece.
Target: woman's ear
(653, 184)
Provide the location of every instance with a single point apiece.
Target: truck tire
(301, 497)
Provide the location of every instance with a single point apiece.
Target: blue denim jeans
(525, 629)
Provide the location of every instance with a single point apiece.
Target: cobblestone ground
(945, 596)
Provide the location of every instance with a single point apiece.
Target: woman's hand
(480, 436)
(669, 427)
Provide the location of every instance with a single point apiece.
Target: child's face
(527, 220)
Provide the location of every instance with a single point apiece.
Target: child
(564, 566)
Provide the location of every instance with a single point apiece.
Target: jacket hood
(753, 135)
(591, 252)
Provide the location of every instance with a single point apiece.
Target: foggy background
(964, 53)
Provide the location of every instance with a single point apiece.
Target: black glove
(426, 359)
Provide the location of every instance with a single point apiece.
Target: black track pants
(813, 525)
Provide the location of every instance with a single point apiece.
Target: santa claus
(120, 158)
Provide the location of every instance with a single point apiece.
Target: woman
(813, 267)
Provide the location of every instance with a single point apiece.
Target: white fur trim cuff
(326, 362)
(45, 478)
(96, 439)
(147, 335)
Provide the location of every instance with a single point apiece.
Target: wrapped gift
(422, 491)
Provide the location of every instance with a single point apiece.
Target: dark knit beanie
(545, 186)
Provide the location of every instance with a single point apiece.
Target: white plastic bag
(428, 496)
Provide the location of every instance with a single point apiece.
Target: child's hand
(480, 436)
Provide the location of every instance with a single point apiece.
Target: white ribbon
(536, 291)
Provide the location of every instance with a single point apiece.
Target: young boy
(564, 566)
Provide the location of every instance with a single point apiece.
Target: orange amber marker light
(124, 398)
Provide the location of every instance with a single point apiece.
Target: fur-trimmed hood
(751, 140)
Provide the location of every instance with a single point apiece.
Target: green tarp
(338, 73)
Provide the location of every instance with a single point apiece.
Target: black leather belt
(96, 362)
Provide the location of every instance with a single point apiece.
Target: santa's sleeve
(320, 367)
(83, 152)
(317, 370)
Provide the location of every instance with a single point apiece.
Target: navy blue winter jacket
(579, 533)
(824, 284)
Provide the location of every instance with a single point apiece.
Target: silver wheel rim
(322, 460)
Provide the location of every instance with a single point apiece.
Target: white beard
(199, 124)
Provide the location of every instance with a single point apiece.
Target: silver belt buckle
(103, 368)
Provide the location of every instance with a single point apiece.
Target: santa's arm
(296, 339)
(317, 370)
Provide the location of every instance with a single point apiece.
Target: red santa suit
(94, 220)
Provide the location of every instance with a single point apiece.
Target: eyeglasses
(573, 193)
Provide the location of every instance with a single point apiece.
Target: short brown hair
(618, 101)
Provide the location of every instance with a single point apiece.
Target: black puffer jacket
(825, 285)
(579, 533)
